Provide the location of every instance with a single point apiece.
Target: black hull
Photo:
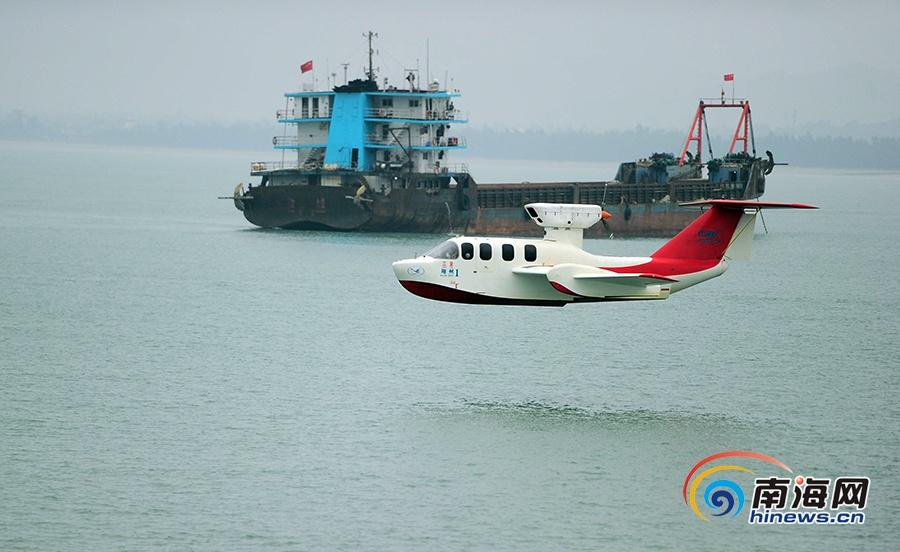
(426, 204)
(338, 208)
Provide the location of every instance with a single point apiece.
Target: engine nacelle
(565, 215)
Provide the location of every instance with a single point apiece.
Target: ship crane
(742, 133)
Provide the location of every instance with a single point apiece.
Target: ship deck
(505, 195)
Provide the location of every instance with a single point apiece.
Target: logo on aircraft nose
(415, 271)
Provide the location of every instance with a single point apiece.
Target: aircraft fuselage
(517, 271)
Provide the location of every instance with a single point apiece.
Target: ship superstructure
(364, 155)
(359, 127)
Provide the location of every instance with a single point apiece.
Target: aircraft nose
(409, 269)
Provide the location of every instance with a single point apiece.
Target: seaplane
(556, 270)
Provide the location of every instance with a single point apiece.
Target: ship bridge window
(468, 251)
(446, 250)
(530, 253)
(484, 251)
(509, 252)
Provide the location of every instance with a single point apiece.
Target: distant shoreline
(613, 146)
(250, 155)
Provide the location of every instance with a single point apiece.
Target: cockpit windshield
(446, 250)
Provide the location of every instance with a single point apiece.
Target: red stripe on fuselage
(563, 289)
(666, 267)
(452, 295)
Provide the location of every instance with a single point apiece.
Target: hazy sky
(553, 64)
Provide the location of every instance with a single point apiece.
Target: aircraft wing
(627, 279)
(589, 281)
(532, 270)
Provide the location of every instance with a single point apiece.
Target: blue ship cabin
(361, 127)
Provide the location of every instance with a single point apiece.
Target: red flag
(728, 76)
(306, 67)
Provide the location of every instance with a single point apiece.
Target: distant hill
(822, 148)
(806, 150)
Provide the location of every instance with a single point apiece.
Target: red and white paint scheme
(556, 270)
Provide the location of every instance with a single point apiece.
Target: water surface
(175, 378)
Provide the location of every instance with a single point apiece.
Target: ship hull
(423, 203)
(643, 220)
(305, 208)
(343, 208)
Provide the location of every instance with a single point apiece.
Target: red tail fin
(705, 238)
(708, 237)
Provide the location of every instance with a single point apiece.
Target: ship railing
(416, 114)
(267, 166)
(401, 135)
(723, 100)
(285, 114)
(450, 168)
(446, 141)
(402, 140)
(294, 141)
(443, 142)
(264, 166)
(285, 141)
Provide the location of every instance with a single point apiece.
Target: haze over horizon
(563, 66)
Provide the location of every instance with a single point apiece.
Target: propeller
(358, 198)
(604, 214)
(771, 164)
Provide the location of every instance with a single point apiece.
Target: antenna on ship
(369, 35)
(345, 65)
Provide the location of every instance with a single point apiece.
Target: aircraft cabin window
(484, 251)
(468, 251)
(530, 253)
(446, 250)
(509, 252)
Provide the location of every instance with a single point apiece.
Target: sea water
(174, 378)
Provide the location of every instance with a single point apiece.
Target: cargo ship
(367, 157)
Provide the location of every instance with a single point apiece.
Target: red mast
(743, 132)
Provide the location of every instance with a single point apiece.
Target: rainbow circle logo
(724, 496)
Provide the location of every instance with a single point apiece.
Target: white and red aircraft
(556, 270)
